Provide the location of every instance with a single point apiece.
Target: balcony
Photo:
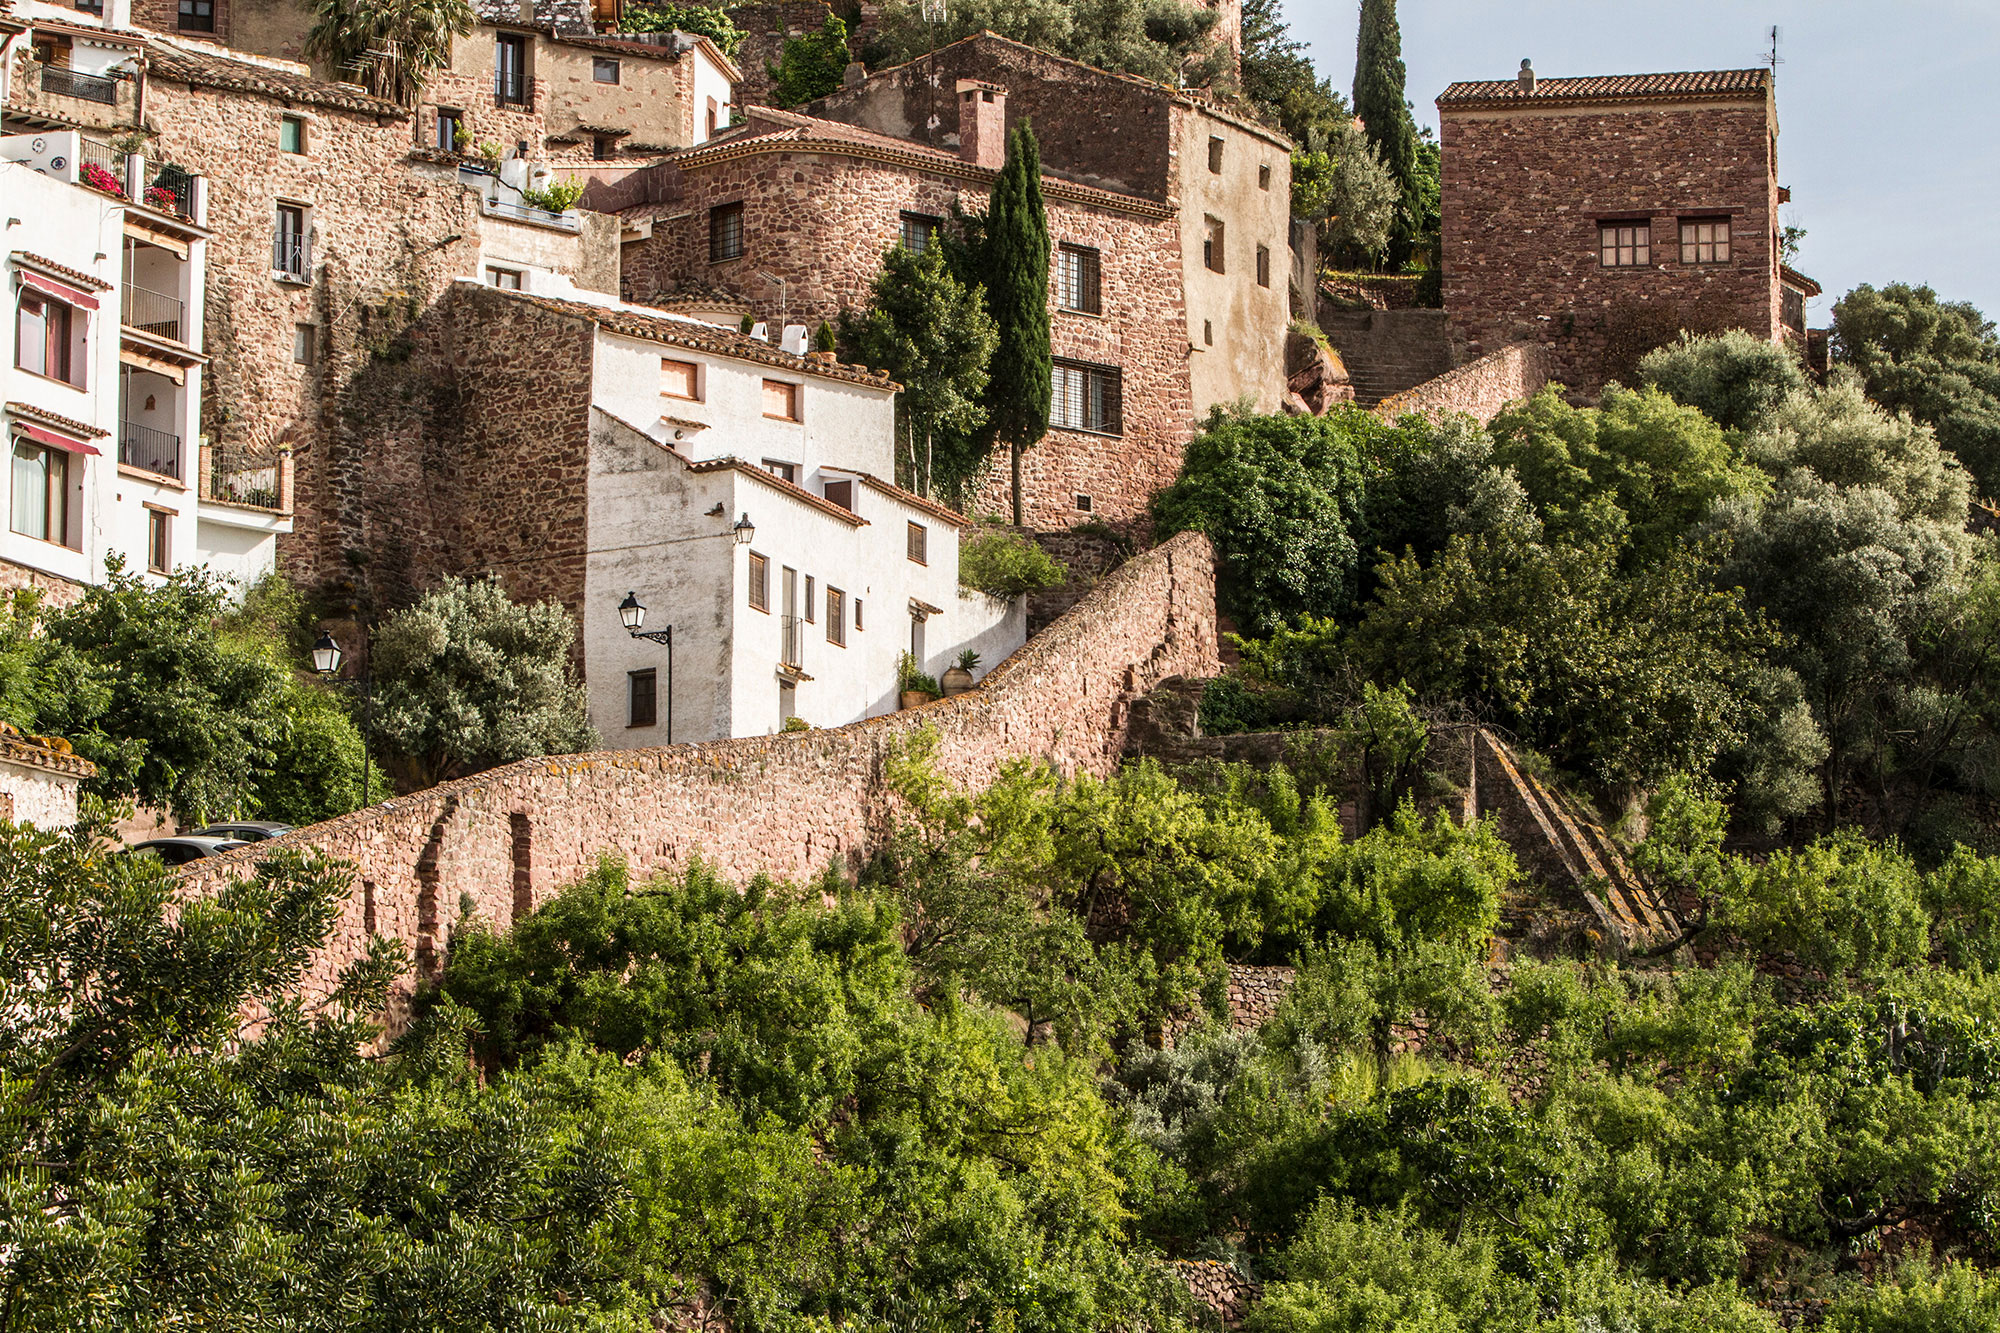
(794, 650)
(153, 313)
(150, 450)
(541, 217)
(253, 478)
(66, 82)
(291, 256)
(172, 191)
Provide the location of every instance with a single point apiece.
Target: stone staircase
(1387, 351)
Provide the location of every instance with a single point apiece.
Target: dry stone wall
(788, 805)
(1479, 388)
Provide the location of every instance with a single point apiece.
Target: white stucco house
(739, 491)
(104, 272)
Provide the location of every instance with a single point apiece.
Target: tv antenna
(1774, 59)
(934, 11)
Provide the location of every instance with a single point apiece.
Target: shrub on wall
(1004, 565)
(700, 20)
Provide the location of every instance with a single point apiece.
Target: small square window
(1705, 241)
(1215, 155)
(1079, 279)
(291, 134)
(1264, 176)
(760, 582)
(841, 493)
(781, 400)
(197, 15)
(1211, 244)
(1624, 244)
(1207, 333)
(916, 543)
(642, 698)
(1084, 503)
(920, 231)
(159, 539)
(450, 130)
(680, 379)
(507, 279)
(304, 338)
(603, 70)
(725, 232)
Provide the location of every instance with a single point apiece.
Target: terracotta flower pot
(955, 681)
(916, 698)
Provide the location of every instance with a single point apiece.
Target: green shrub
(703, 21)
(1002, 564)
(556, 196)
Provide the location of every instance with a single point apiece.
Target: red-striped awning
(61, 291)
(53, 440)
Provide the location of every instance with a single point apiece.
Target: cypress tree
(1017, 292)
(1379, 100)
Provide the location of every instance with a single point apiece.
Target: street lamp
(632, 614)
(327, 657)
(745, 530)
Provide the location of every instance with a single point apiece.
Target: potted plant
(97, 178)
(913, 687)
(959, 679)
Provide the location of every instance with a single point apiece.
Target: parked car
(243, 830)
(180, 851)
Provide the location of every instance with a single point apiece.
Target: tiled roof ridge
(64, 271)
(50, 752)
(729, 462)
(205, 66)
(1673, 84)
(662, 327)
(82, 429)
(813, 133)
(911, 498)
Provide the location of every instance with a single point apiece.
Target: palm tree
(388, 47)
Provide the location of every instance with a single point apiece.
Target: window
(1263, 266)
(642, 698)
(603, 70)
(1625, 244)
(1207, 333)
(920, 231)
(714, 111)
(1087, 398)
(450, 129)
(303, 338)
(1078, 283)
(781, 400)
(782, 471)
(1084, 503)
(197, 15)
(291, 134)
(291, 245)
(725, 232)
(1705, 241)
(760, 582)
(41, 493)
(600, 146)
(915, 541)
(1264, 176)
(510, 69)
(841, 493)
(1211, 244)
(857, 613)
(809, 599)
(836, 616)
(45, 334)
(507, 279)
(158, 549)
(1215, 154)
(680, 379)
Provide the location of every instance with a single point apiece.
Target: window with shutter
(836, 616)
(679, 379)
(642, 698)
(841, 493)
(916, 541)
(760, 582)
(781, 400)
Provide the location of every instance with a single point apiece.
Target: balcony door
(788, 591)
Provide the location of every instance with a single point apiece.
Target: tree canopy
(1937, 360)
(1167, 41)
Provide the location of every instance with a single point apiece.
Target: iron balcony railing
(794, 651)
(153, 313)
(291, 255)
(89, 152)
(66, 82)
(244, 477)
(172, 191)
(154, 450)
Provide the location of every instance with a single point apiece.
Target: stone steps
(1388, 351)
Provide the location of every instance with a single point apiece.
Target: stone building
(1170, 219)
(1602, 215)
(582, 449)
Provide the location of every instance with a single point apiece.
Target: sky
(1886, 109)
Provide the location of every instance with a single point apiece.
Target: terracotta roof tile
(213, 68)
(912, 499)
(68, 425)
(64, 271)
(1681, 86)
(682, 332)
(778, 483)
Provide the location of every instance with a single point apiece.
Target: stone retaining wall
(1480, 388)
(507, 840)
(1220, 1287)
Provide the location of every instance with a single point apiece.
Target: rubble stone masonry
(1524, 191)
(787, 804)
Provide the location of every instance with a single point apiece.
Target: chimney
(1525, 80)
(982, 123)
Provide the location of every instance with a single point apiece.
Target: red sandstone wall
(1480, 388)
(1522, 196)
(784, 804)
(822, 222)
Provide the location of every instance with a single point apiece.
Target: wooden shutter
(677, 378)
(760, 582)
(781, 400)
(841, 493)
(916, 541)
